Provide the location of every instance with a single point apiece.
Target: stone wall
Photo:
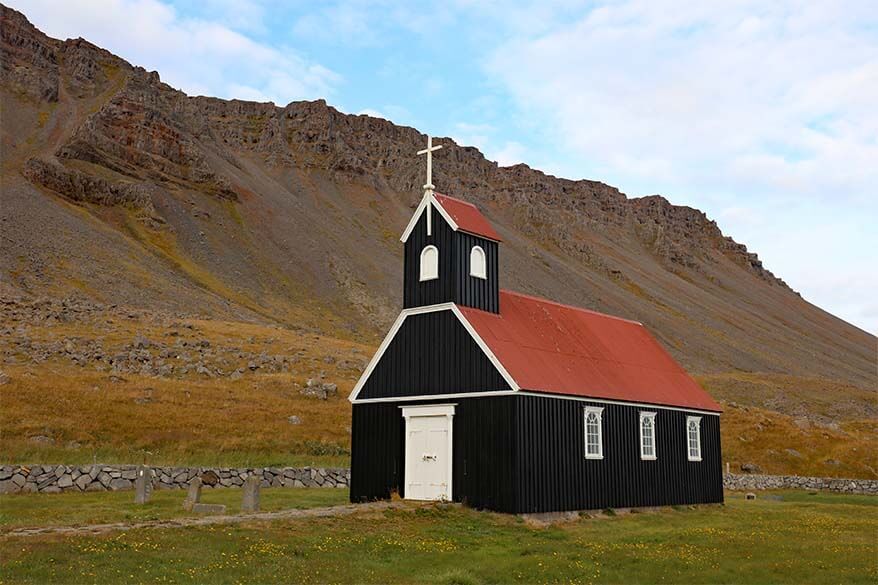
(98, 478)
(734, 481)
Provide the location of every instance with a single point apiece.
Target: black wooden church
(519, 404)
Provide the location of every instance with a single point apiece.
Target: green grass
(74, 509)
(780, 537)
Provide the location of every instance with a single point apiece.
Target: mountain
(118, 188)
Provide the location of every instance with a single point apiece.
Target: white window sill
(648, 457)
(430, 278)
(478, 276)
(695, 459)
(594, 456)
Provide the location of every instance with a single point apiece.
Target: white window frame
(479, 270)
(689, 454)
(429, 272)
(599, 412)
(650, 416)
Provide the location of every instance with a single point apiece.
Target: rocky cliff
(120, 188)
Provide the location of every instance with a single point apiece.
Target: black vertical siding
(430, 292)
(454, 283)
(555, 475)
(484, 452)
(376, 451)
(432, 353)
(527, 454)
(480, 293)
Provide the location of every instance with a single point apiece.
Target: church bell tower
(451, 251)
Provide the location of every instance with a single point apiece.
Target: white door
(428, 453)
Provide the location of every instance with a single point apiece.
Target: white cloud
(746, 109)
(372, 22)
(777, 96)
(196, 55)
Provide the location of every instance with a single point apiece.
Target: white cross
(428, 188)
(429, 152)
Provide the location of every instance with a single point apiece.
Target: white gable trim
(388, 338)
(515, 388)
(414, 220)
(392, 333)
(444, 213)
(416, 216)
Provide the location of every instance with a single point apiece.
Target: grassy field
(76, 509)
(784, 537)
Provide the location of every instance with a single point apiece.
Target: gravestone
(193, 495)
(193, 500)
(143, 485)
(250, 502)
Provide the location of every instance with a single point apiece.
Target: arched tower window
(429, 263)
(477, 263)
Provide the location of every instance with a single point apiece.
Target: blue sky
(762, 114)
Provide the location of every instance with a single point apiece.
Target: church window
(477, 263)
(594, 444)
(693, 437)
(429, 263)
(647, 435)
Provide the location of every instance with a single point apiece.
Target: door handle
(427, 457)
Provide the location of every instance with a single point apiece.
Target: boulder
(120, 484)
(82, 481)
(322, 390)
(209, 478)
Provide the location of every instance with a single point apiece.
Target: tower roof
(460, 215)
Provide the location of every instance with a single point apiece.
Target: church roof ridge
(566, 306)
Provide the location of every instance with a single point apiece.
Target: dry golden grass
(764, 437)
(89, 414)
(168, 421)
(794, 395)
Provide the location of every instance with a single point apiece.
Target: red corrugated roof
(467, 217)
(554, 348)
